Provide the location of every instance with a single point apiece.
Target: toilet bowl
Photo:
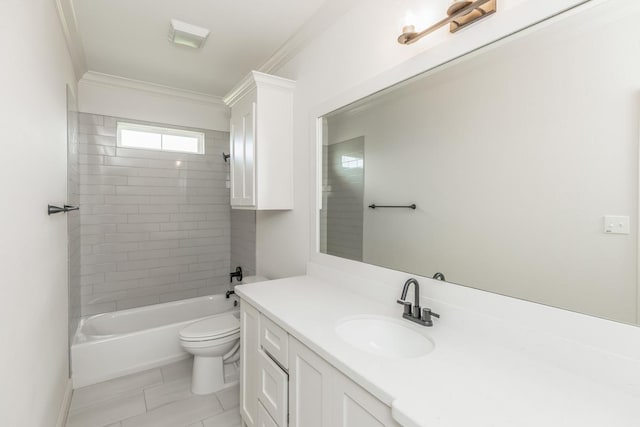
(211, 341)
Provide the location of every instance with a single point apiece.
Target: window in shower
(134, 135)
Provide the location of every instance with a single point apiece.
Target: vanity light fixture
(189, 35)
(460, 14)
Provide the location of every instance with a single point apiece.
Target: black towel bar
(374, 206)
(51, 209)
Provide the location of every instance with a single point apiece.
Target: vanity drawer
(273, 385)
(264, 419)
(275, 341)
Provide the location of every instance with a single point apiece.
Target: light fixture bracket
(461, 14)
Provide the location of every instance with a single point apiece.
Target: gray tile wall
(74, 237)
(243, 241)
(344, 200)
(155, 225)
(325, 194)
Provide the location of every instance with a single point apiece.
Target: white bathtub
(113, 344)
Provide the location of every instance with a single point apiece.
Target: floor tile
(178, 414)
(178, 370)
(231, 372)
(108, 412)
(229, 397)
(226, 419)
(168, 392)
(118, 387)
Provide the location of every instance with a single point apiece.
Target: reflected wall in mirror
(514, 156)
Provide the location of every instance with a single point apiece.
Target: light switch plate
(617, 224)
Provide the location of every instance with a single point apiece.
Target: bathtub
(114, 344)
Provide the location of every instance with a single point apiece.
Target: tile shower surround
(156, 226)
(73, 218)
(343, 200)
(243, 241)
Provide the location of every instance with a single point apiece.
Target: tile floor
(158, 397)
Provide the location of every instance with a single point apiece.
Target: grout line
(162, 375)
(144, 398)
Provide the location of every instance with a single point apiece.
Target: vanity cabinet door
(355, 407)
(321, 396)
(310, 381)
(249, 363)
(264, 419)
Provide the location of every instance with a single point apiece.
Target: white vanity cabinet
(249, 363)
(283, 383)
(261, 143)
(321, 396)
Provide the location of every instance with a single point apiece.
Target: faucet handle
(427, 315)
(406, 305)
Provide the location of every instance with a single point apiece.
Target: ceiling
(129, 38)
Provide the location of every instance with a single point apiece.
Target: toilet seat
(211, 328)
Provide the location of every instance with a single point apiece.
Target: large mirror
(521, 160)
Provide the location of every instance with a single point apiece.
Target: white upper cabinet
(261, 142)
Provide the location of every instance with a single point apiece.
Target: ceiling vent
(189, 35)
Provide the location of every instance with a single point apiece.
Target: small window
(350, 162)
(133, 135)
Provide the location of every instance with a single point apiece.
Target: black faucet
(416, 298)
(238, 275)
(415, 314)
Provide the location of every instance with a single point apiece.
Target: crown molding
(69, 23)
(256, 79)
(95, 78)
(324, 17)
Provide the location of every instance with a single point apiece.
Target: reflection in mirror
(522, 159)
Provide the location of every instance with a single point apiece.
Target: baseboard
(64, 406)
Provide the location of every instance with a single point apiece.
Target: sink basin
(383, 336)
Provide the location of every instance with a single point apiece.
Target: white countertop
(471, 378)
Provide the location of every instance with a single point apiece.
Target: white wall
(513, 169)
(352, 58)
(33, 246)
(119, 97)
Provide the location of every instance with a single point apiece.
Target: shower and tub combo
(111, 345)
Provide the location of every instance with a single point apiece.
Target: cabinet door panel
(264, 419)
(249, 348)
(309, 388)
(242, 147)
(273, 389)
(274, 341)
(355, 415)
(357, 408)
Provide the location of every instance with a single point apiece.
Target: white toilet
(212, 341)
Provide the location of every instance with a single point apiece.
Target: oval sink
(383, 336)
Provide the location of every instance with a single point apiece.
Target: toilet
(212, 341)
